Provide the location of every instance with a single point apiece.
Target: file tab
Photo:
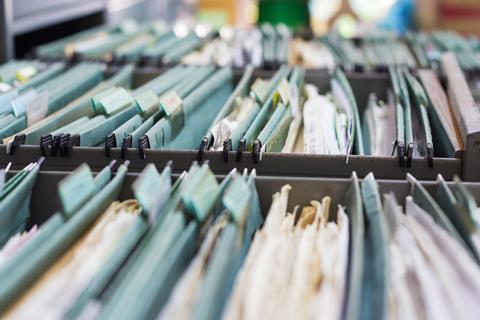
(237, 199)
(147, 102)
(75, 189)
(116, 101)
(171, 103)
(200, 195)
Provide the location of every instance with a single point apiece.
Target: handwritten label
(37, 109)
(171, 102)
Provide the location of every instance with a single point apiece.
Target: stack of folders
(283, 114)
(90, 258)
(196, 249)
(170, 111)
(366, 261)
(71, 93)
(152, 43)
(194, 108)
(16, 73)
(418, 109)
(45, 93)
(15, 195)
(311, 55)
(428, 48)
(266, 47)
(375, 51)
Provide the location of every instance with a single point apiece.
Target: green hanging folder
(374, 285)
(96, 135)
(422, 105)
(241, 90)
(14, 202)
(51, 72)
(187, 120)
(466, 200)
(268, 44)
(176, 53)
(71, 85)
(132, 50)
(51, 226)
(176, 262)
(181, 89)
(352, 304)
(355, 142)
(140, 277)
(219, 207)
(399, 115)
(161, 214)
(220, 275)
(282, 43)
(15, 126)
(459, 216)
(103, 45)
(168, 247)
(246, 142)
(448, 141)
(76, 109)
(231, 248)
(255, 217)
(200, 193)
(424, 200)
(115, 138)
(151, 203)
(56, 49)
(407, 112)
(165, 81)
(153, 55)
(52, 248)
(60, 91)
(157, 86)
(274, 133)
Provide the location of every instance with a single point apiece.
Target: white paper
(37, 108)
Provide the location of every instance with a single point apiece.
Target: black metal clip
(127, 143)
(46, 142)
(409, 155)
(67, 143)
(430, 155)
(17, 141)
(57, 139)
(110, 142)
(401, 153)
(242, 145)
(257, 151)
(227, 147)
(143, 145)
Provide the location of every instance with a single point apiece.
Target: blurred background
(27, 23)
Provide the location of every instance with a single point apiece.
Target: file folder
(14, 201)
(57, 243)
